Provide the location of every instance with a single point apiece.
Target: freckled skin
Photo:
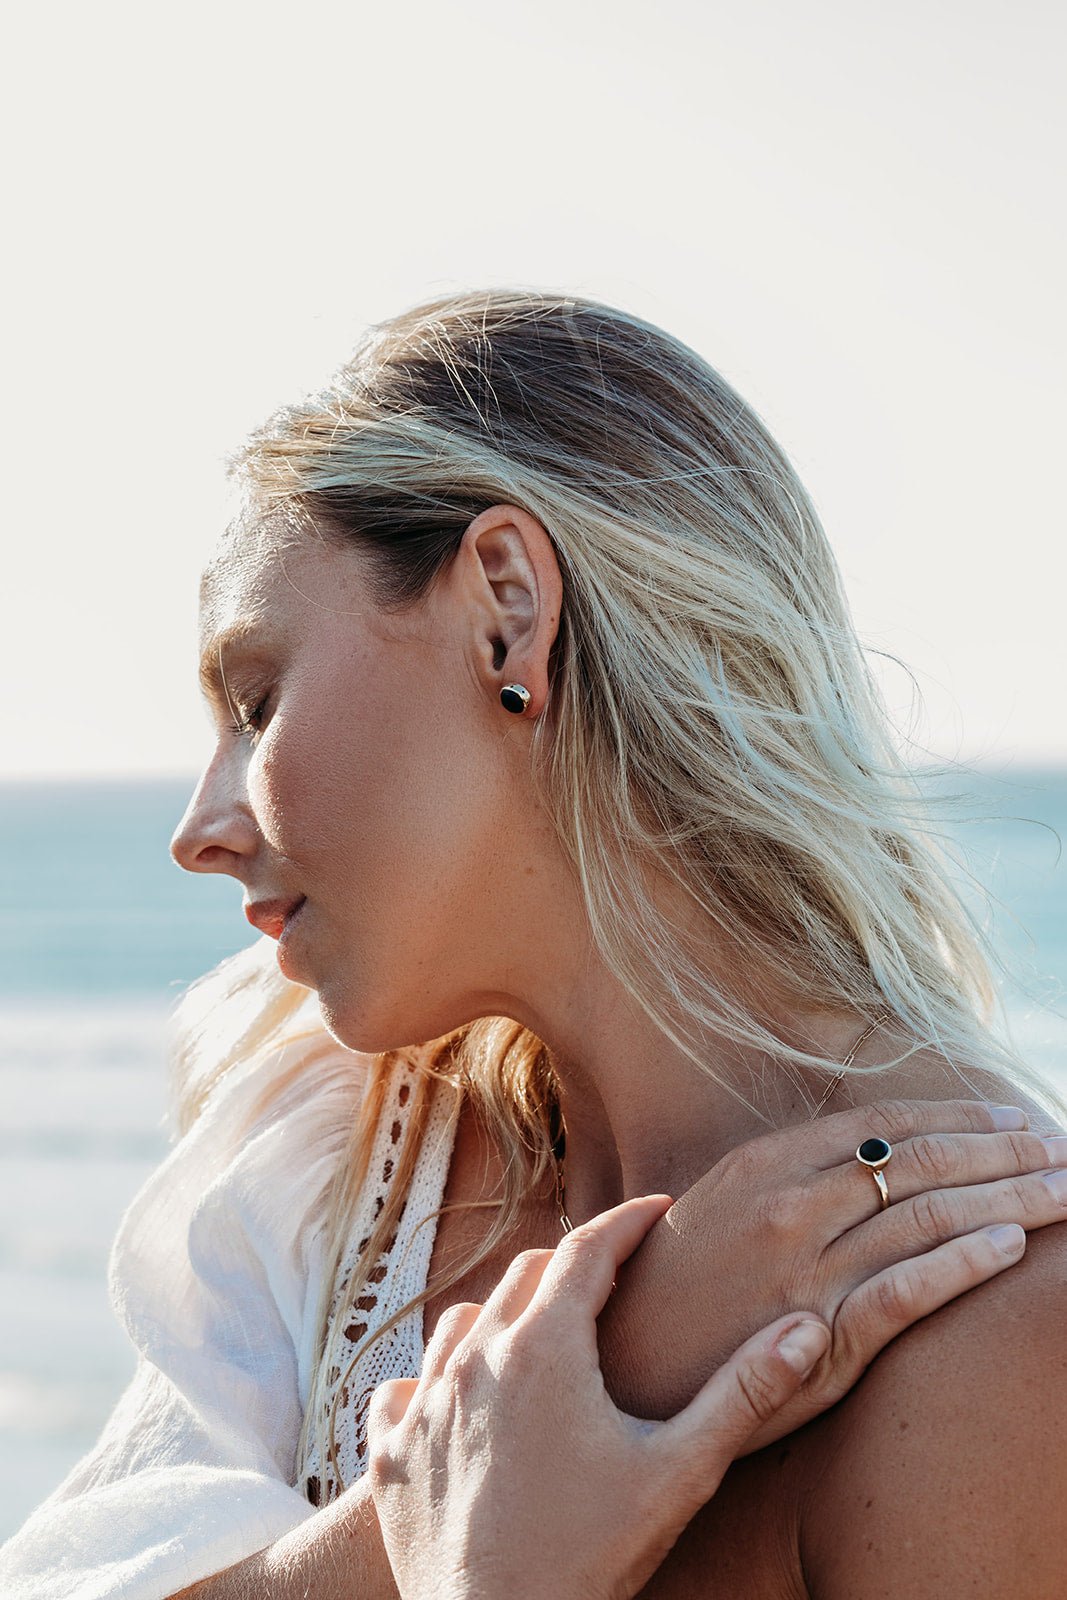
(386, 786)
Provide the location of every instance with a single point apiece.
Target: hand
(791, 1221)
(506, 1469)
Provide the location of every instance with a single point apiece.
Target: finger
(879, 1309)
(737, 1401)
(453, 1326)
(388, 1404)
(938, 1161)
(832, 1137)
(949, 1160)
(582, 1271)
(937, 1215)
(514, 1291)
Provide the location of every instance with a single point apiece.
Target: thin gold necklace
(558, 1135)
(559, 1143)
(883, 1016)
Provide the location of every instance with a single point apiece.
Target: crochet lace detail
(399, 1273)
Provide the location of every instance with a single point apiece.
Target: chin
(374, 1032)
(357, 1031)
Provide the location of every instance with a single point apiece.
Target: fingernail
(1057, 1150)
(1057, 1182)
(803, 1345)
(1008, 1119)
(1008, 1237)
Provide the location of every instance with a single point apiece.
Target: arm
(337, 1555)
(212, 1272)
(944, 1476)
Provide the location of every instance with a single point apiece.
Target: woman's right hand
(791, 1222)
(505, 1469)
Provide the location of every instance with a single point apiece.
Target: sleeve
(215, 1273)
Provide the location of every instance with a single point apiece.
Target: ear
(513, 591)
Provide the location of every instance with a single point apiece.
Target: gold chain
(882, 1017)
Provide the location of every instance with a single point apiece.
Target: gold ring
(874, 1154)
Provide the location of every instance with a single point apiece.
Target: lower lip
(282, 952)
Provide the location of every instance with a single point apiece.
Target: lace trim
(399, 1273)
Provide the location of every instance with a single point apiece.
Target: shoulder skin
(944, 1474)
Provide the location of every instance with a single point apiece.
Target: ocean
(99, 933)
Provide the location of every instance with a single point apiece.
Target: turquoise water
(99, 931)
(91, 903)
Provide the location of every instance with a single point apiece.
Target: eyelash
(248, 725)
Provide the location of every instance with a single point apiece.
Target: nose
(218, 832)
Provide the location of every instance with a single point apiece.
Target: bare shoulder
(944, 1473)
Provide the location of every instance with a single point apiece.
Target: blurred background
(846, 208)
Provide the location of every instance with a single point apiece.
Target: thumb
(734, 1404)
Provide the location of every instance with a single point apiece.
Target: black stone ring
(874, 1154)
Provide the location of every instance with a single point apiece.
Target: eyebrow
(237, 636)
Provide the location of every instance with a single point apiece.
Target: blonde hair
(713, 718)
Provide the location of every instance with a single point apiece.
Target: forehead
(243, 573)
(274, 581)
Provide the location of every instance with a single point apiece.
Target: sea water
(99, 933)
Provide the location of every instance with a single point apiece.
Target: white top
(215, 1273)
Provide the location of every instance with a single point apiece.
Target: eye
(249, 722)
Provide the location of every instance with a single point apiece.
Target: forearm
(335, 1555)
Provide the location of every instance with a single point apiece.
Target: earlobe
(515, 697)
(518, 580)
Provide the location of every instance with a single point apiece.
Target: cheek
(398, 834)
(340, 796)
(282, 788)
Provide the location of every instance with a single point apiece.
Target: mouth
(272, 916)
(284, 939)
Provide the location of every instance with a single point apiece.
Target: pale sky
(854, 211)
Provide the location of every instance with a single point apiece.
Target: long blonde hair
(713, 717)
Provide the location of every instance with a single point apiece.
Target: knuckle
(374, 1414)
(1026, 1151)
(522, 1266)
(525, 1339)
(527, 1260)
(384, 1466)
(451, 1319)
(1024, 1199)
(895, 1299)
(580, 1239)
(894, 1119)
(743, 1163)
(581, 1247)
(464, 1368)
(934, 1213)
(973, 1251)
(760, 1393)
(829, 1380)
(781, 1212)
(936, 1159)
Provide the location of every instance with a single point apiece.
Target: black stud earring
(515, 697)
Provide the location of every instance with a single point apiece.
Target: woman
(548, 709)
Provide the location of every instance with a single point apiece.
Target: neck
(642, 1117)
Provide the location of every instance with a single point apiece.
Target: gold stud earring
(515, 697)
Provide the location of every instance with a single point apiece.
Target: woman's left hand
(506, 1469)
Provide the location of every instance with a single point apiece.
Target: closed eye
(250, 722)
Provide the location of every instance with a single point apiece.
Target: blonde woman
(553, 749)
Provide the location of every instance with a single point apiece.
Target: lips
(270, 916)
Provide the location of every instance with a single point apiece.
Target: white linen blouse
(215, 1272)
